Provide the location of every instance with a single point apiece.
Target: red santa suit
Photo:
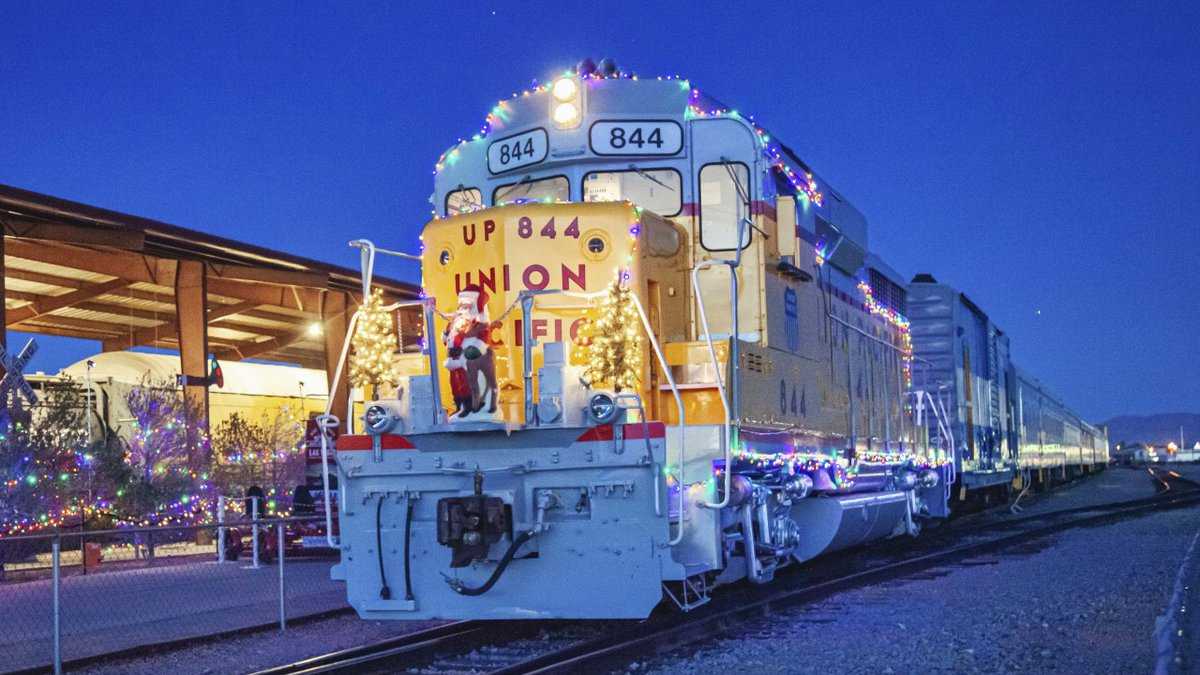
(460, 336)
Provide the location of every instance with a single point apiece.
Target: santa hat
(476, 296)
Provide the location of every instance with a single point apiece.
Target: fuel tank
(832, 523)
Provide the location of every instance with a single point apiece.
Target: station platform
(125, 609)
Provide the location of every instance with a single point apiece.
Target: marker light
(565, 89)
(565, 113)
(379, 419)
(602, 409)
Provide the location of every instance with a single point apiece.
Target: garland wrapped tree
(374, 344)
(615, 353)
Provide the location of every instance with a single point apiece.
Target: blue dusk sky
(1043, 157)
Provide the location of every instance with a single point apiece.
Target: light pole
(88, 375)
(91, 468)
(91, 442)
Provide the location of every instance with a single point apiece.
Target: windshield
(656, 190)
(554, 189)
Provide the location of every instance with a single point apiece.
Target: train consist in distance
(659, 356)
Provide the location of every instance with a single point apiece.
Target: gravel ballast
(1084, 601)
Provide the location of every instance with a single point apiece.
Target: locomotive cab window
(656, 190)
(464, 200)
(554, 189)
(723, 205)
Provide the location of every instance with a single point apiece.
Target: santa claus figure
(469, 355)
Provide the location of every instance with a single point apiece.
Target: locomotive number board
(636, 137)
(517, 151)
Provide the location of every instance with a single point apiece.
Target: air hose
(384, 591)
(408, 515)
(461, 589)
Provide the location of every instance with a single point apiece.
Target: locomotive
(654, 355)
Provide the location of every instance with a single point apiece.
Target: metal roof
(81, 271)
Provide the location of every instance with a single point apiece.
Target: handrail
(863, 333)
(119, 531)
(712, 351)
(733, 349)
(330, 421)
(527, 299)
(435, 382)
(645, 436)
(938, 410)
(527, 302)
(678, 402)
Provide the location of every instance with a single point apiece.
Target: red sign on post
(312, 442)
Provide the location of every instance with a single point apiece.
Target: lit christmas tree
(615, 354)
(374, 344)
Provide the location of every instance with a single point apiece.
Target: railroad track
(511, 647)
(413, 647)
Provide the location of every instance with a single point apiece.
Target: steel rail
(410, 643)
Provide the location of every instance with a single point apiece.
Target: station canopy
(79, 271)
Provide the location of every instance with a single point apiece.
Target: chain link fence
(73, 595)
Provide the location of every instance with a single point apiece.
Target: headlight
(565, 89)
(565, 113)
(602, 408)
(378, 419)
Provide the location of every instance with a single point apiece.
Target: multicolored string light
(699, 105)
(898, 321)
(801, 181)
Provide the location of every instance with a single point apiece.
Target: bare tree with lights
(265, 452)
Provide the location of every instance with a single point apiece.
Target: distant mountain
(1154, 429)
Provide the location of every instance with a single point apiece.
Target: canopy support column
(334, 317)
(190, 308)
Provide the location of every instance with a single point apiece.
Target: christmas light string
(896, 320)
(699, 105)
(801, 181)
(196, 505)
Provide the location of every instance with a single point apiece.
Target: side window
(722, 206)
(464, 200)
(555, 189)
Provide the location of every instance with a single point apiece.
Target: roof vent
(924, 278)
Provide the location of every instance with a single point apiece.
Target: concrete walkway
(130, 608)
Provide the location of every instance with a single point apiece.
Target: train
(1011, 428)
(654, 355)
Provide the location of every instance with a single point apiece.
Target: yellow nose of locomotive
(568, 254)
